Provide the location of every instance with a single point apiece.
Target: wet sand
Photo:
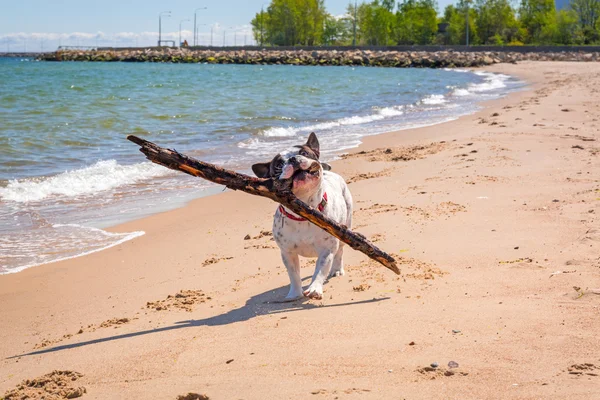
(494, 217)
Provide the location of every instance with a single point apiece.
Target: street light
(168, 14)
(235, 37)
(195, 32)
(181, 22)
(224, 32)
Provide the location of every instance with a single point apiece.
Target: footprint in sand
(115, 322)
(585, 369)
(183, 300)
(214, 260)
(409, 153)
(193, 396)
(435, 373)
(371, 175)
(55, 385)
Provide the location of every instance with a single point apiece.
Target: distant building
(561, 4)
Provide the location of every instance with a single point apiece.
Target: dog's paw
(289, 298)
(335, 274)
(314, 291)
(293, 295)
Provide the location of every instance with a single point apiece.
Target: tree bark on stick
(274, 189)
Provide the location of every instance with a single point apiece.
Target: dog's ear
(262, 170)
(326, 166)
(313, 143)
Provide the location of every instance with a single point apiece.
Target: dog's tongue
(288, 171)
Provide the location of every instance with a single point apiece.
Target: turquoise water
(66, 170)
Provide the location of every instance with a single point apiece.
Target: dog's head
(301, 164)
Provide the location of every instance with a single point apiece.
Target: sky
(35, 25)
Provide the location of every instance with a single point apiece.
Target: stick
(274, 189)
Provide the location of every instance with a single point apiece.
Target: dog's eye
(303, 153)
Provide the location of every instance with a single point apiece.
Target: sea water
(67, 171)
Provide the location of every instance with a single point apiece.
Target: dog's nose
(294, 161)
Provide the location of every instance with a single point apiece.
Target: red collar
(291, 216)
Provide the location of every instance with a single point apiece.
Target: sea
(67, 172)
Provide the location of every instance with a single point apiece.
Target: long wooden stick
(274, 189)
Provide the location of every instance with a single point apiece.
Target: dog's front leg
(315, 290)
(292, 264)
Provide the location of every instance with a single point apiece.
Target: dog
(317, 186)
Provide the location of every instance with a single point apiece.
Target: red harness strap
(321, 207)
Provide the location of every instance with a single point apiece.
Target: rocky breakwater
(388, 58)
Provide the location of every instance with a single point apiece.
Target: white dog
(314, 184)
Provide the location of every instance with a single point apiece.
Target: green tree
(456, 17)
(496, 22)
(566, 27)
(291, 22)
(337, 31)
(416, 22)
(374, 23)
(538, 18)
(588, 14)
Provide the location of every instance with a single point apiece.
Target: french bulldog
(317, 186)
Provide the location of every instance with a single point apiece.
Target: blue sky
(48, 23)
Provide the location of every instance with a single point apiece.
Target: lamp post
(211, 35)
(224, 32)
(168, 14)
(181, 22)
(195, 34)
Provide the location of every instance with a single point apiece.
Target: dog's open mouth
(302, 174)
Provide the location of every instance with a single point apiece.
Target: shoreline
(492, 86)
(491, 214)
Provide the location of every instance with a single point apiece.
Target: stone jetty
(349, 57)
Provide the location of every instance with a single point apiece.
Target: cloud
(36, 41)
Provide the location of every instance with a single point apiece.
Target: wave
(461, 92)
(101, 176)
(456, 70)
(434, 99)
(289, 131)
(491, 82)
(57, 242)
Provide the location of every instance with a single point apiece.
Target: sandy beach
(494, 218)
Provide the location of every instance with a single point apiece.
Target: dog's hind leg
(337, 268)
(315, 290)
(292, 264)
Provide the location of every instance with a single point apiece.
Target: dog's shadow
(262, 304)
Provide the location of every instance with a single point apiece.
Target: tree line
(389, 23)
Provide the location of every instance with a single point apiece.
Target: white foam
(461, 92)
(491, 82)
(289, 131)
(456, 70)
(101, 176)
(391, 111)
(279, 132)
(57, 243)
(434, 99)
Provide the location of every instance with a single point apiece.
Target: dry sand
(495, 216)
